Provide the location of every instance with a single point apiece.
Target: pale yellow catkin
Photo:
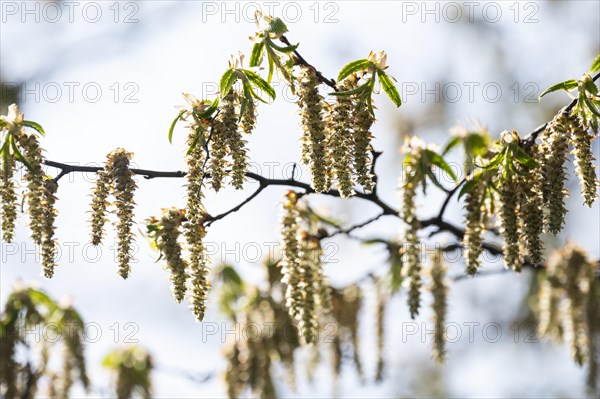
(554, 149)
(340, 141)
(584, 160)
(314, 138)
(195, 230)
(439, 290)
(123, 190)
(34, 176)
(474, 227)
(8, 196)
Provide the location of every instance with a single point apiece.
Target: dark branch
(530, 139)
(299, 60)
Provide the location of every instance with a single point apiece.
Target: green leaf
(277, 26)
(179, 115)
(35, 126)
(260, 83)
(230, 275)
(567, 86)
(18, 154)
(451, 144)
(595, 65)
(353, 67)
(2, 124)
(438, 161)
(591, 106)
(227, 81)
(495, 161)
(257, 53)
(271, 65)
(210, 110)
(390, 89)
(522, 157)
(284, 49)
(434, 180)
(352, 92)
(468, 186)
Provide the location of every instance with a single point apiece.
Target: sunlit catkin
(124, 187)
(248, 120)
(362, 136)
(584, 159)
(290, 262)
(168, 245)
(235, 141)
(531, 205)
(224, 132)
(411, 244)
(34, 176)
(439, 290)
(314, 138)
(340, 141)
(195, 230)
(509, 195)
(49, 215)
(308, 317)
(99, 204)
(8, 196)
(474, 228)
(555, 144)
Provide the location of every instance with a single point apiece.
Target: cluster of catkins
(115, 179)
(187, 275)
(307, 294)
(132, 368)
(532, 199)
(228, 152)
(22, 380)
(39, 196)
(337, 138)
(569, 297)
(249, 360)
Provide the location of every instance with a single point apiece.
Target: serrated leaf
(227, 81)
(439, 161)
(172, 128)
(390, 89)
(257, 54)
(353, 67)
(567, 86)
(35, 126)
(595, 65)
(277, 26)
(260, 83)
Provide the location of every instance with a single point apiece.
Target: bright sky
(101, 75)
